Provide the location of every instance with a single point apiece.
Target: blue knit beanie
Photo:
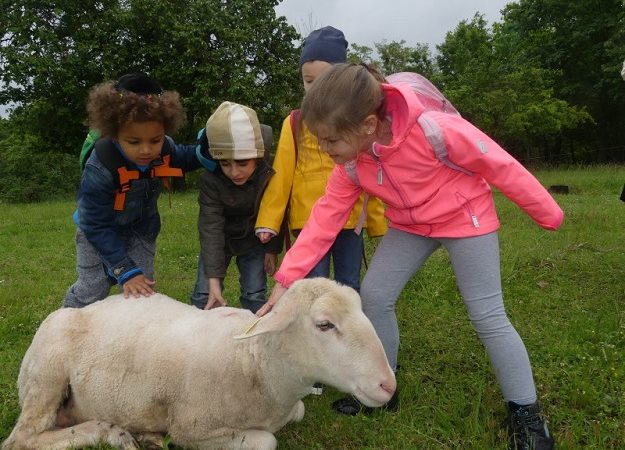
(325, 44)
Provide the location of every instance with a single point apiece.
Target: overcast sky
(366, 22)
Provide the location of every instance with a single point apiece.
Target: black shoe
(527, 430)
(347, 405)
(351, 406)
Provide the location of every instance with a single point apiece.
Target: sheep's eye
(325, 325)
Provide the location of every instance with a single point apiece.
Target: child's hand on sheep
(277, 292)
(215, 299)
(138, 286)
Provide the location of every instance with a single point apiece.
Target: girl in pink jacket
(370, 128)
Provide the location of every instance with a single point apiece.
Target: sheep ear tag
(266, 324)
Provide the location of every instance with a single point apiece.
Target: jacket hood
(403, 108)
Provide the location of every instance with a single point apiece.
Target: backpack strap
(87, 148)
(294, 119)
(434, 135)
(110, 157)
(350, 170)
(164, 171)
(123, 176)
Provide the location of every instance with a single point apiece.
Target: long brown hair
(343, 96)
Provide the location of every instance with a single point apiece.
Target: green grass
(564, 291)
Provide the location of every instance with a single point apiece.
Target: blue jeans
(252, 280)
(346, 253)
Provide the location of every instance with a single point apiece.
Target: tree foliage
(208, 50)
(394, 56)
(583, 45)
(544, 81)
(486, 75)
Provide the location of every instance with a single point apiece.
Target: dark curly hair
(109, 109)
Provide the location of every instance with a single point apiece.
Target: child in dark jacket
(229, 203)
(117, 216)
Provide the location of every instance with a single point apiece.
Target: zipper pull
(476, 223)
(379, 174)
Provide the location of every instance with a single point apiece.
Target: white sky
(366, 22)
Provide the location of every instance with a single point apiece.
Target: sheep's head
(337, 343)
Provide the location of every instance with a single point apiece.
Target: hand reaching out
(138, 286)
(215, 299)
(277, 292)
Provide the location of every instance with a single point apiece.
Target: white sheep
(126, 369)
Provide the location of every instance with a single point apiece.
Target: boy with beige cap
(229, 201)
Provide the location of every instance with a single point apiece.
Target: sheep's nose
(389, 387)
(389, 384)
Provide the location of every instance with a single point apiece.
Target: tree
(360, 53)
(582, 44)
(395, 57)
(486, 76)
(209, 50)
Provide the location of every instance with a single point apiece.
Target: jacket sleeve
(211, 225)
(96, 218)
(327, 218)
(276, 197)
(471, 149)
(376, 222)
(184, 156)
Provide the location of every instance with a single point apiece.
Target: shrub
(30, 172)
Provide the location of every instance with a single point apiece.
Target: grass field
(564, 291)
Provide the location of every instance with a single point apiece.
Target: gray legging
(475, 262)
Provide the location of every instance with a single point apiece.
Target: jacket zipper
(467, 206)
(380, 178)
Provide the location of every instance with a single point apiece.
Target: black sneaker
(347, 405)
(527, 430)
(351, 406)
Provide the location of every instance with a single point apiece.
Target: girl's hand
(138, 286)
(271, 260)
(277, 292)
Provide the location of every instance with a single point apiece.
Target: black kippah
(139, 83)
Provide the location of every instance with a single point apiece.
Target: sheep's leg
(231, 439)
(78, 436)
(151, 440)
(42, 394)
(297, 413)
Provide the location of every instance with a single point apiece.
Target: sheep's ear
(272, 321)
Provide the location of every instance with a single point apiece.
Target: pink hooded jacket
(423, 195)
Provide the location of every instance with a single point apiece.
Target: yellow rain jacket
(305, 182)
